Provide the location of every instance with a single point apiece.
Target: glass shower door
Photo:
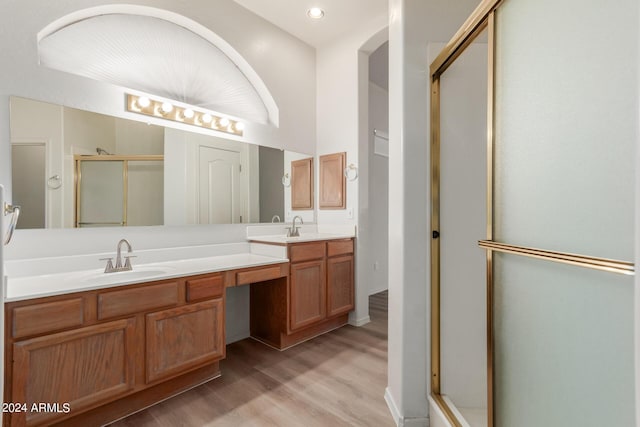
(101, 194)
(566, 117)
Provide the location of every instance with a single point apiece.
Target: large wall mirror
(74, 168)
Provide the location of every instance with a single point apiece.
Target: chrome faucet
(293, 230)
(274, 218)
(119, 267)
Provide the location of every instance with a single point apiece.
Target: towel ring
(286, 180)
(351, 172)
(54, 182)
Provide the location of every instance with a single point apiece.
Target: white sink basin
(140, 273)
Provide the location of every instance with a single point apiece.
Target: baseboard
(399, 419)
(393, 408)
(360, 322)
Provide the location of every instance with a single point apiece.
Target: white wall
(378, 192)
(264, 46)
(342, 117)
(413, 24)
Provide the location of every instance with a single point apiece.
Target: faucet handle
(127, 262)
(109, 267)
(288, 231)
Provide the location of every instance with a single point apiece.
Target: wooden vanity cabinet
(110, 352)
(308, 293)
(319, 294)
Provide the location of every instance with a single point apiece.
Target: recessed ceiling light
(315, 13)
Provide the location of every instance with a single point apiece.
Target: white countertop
(27, 287)
(304, 237)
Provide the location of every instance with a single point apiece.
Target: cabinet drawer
(260, 274)
(205, 288)
(131, 301)
(48, 317)
(306, 251)
(339, 247)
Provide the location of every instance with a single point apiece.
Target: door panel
(308, 293)
(564, 180)
(219, 183)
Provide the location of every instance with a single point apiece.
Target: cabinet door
(307, 293)
(302, 184)
(339, 285)
(85, 368)
(184, 338)
(332, 183)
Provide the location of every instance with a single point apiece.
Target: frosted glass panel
(564, 345)
(145, 193)
(566, 88)
(101, 193)
(463, 177)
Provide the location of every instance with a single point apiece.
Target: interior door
(219, 186)
(29, 183)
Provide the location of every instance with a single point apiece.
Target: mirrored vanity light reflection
(142, 104)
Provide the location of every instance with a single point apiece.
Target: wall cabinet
(302, 184)
(110, 352)
(319, 294)
(333, 187)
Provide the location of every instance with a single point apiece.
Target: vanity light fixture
(170, 111)
(315, 13)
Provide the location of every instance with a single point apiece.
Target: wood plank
(137, 299)
(48, 317)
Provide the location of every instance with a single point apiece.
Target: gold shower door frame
(78, 159)
(482, 18)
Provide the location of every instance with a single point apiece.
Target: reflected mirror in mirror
(73, 168)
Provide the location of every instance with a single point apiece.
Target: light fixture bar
(162, 109)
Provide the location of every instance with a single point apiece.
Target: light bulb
(206, 118)
(166, 107)
(224, 122)
(188, 113)
(239, 126)
(143, 102)
(315, 13)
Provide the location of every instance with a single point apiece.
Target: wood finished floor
(337, 379)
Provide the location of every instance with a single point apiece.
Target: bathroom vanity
(97, 347)
(317, 298)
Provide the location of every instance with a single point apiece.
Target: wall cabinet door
(339, 285)
(333, 187)
(85, 367)
(307, 293)
(302, 184)
(184, 338)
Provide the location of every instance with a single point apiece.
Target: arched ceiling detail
(156, 56)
